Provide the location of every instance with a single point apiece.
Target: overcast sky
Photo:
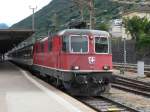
(12, 11)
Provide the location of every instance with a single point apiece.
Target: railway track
(131, 85)
(107, 104)
(131, 67)
(104, 104)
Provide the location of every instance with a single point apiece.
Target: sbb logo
(91, 60)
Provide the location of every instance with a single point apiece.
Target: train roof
(83, 31)
(19, 48)
(77, 32)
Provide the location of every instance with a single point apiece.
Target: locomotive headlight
(106, 67)
(75, 67)
(91, 37)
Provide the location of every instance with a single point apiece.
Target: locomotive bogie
(79, 84)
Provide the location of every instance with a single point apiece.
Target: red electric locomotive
(78, 59)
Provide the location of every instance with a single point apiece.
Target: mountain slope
(62, 11)
(3, 26)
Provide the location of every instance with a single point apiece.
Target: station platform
(22, 92)
(132, 75)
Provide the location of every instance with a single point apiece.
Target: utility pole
(91, 11)
(124, 37)
(90, 5)
(80, 4)
(55, 22)
(125, 52)
(33, 18)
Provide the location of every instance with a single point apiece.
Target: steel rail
(132, 80)
(131, 85)
(145, 94)
(129, 65)
(104, 104)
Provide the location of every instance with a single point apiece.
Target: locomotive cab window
(42, 47)
(101, 45)
(78, 44)
(50, 44)
(65, 44)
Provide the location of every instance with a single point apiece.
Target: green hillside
(61, 12)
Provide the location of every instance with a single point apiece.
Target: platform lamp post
(33, 17)
(124, 37)
(92, 18)
(125, 52)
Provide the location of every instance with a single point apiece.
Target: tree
(104, 26)
(139, 28)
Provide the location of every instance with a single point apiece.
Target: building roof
(10, 38)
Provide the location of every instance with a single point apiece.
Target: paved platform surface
(132, 75)
(22, 92)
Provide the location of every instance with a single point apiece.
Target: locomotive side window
(65, 44)
(79, 44)
(42, 47)
(50, 44)
(101, 45)
(36, 49)
(39, 48)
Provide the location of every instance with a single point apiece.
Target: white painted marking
(59, 99)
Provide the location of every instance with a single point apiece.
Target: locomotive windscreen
(75, 44)
(101, 45)
(79, 43)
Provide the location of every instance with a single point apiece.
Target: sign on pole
(140, 68)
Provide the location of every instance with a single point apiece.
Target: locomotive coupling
(81, 79)
(94, 80)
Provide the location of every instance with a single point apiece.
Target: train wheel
(67, 85)
(58, 83)
(47, 79)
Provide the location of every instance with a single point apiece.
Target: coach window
(101, 45)
(79, 44)
(65, 44)
(50, 44)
